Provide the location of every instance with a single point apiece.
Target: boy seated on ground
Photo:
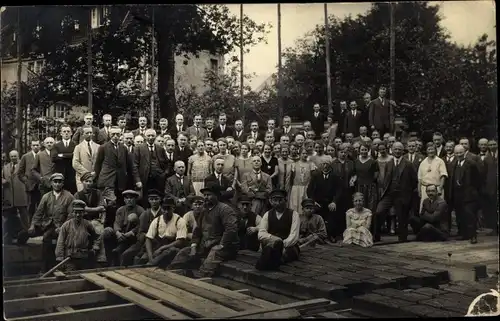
(312, 225)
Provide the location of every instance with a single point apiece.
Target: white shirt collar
(56, 194)
(34, 154)
(66, 141)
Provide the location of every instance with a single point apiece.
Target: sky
(464, 20)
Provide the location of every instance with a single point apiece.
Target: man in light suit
(179, 187)
(381, 113)
(84, 157)
(26, 176)
(197, 130)
(43, 167)
(257, 185)
(62, 155)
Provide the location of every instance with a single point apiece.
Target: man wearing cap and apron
(123, 235)
(312, 225)
(215, 239)
(278, 233)
(51, 213)
(165, 237)
(248, 226)
(77, 240)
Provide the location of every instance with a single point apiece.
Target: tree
(429, 68)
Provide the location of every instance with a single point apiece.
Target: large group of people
(188, 197)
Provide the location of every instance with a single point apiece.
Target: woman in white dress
(432, 171)
(358, 221)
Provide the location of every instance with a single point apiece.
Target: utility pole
(19, 110)
(327, 51)
(392, 51)
(280, 80)
(89, 60)
(152, 66)
(242, 78)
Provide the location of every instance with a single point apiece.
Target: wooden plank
(258, 313)
(231, 299)
(127, 311)
(176, 298)
(54, 301)
(282, 314)
(244, 291)
(129, 295)
(59, 275)
(48, 288)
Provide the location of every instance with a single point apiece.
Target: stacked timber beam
(139, 293)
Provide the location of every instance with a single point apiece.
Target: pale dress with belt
(430, 172)
(358, 227)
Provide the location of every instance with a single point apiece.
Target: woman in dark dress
(269, 164)
(366, 171)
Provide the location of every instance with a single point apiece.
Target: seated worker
(52, 211)
(215, 239)
(166, 236)
(312, 226)
(278, 234)
(95, 211)
(432, 224)
(358, 221)
(191, 217)
(123, 235)
(248, 225)
(77, 240)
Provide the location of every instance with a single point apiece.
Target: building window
(31, 66)
(214, 65)
(95, 22)
(57, 111)
(38, 67)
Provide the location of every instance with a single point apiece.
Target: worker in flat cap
(312, 225)
(123, 234)
(52, 211)
(77, 240)
(197, 204)
(165, 237)
(215, 238)
(278, 233)
(248, 224)
(95, 211)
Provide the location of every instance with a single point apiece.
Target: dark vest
(280, 228)
(248, 242)
(155, 168)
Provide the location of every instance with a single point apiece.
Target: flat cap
(245, 199)
(78, 205)
(57, 176)
(306, 202)
(86, 176)
(195, 199)
(131, 192)
(277, 193)
(154, 192)
(168, 201)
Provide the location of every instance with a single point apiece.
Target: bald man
(150, 162)
(43, 167)
(464, 188)
(178, 127)
(179, 187)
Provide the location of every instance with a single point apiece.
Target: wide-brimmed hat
(168, 202)
(277, 193)
(307, 202)
(215, 189)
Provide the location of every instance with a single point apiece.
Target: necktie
(222, 128)
(179, 129)
(90, 149)
(257, 174)
(150, 149)
(13, 168)
(181, 180)
(411, 158)
(325, 176)
(316, 114)
(170, 156)
(284, 176)
(130, 149)
(397, 162)
(65, 144)
(354, 113)
(219, 179)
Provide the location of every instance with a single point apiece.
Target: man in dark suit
(43, 167)
(179, 187)
(26, 176)
(209, 126)
(218, 179)
(381, 113)
(143, 122)
(465, 185)
(170, 156)
(415, 159)
(150, 162)
(163, 127)
(179, 126)
(122, 124)
(431, 225)
(323, 189)
(437, 138)
(367, 98)
(341, 114)
(78, 136)
(271, 129)
(104, 131)
(223, 130)
(491, 185)
(62, 157)
(239, 131)
(255, 132)
(317, 120)
(182, 151)
(469, 155)
(113, 167)
(488, 192)
(352, 119)
(448, 160)
(287, 128)
(402, 183)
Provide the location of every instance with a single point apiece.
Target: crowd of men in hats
(192, 197)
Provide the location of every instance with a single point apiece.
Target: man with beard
(431, 225)
(84, 157)
(141, 131)
(215, 239)
(279, 232)
(257, 185)
(26, 176)
(179, 187)
(77, 240)
(166, 235)
(78, 136)
(124, 233)
(43, 167)
(248, 225)
(50, 215)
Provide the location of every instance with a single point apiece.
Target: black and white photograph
(249, 161)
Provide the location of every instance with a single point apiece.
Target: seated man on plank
(279, 233)
(77, 240)
(215, 239)
(166, 236)
(432, 224)
(191, 217)
(248, 225)
(312, 226)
